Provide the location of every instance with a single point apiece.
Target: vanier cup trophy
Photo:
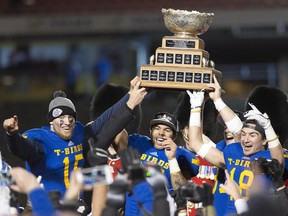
(181, 62)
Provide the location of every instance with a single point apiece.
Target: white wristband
(271, 137)
(211, 143)
(241, 206)
(219, 104)
(204, 150)
(234, 125)
(174, 166)
(195, 117)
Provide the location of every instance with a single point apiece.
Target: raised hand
(136, 93)
(196, 98)
(216, 93)
(11, 125)
(231, 187)
(255, 114)
(170, 148)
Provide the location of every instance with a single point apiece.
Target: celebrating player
(256, 135)
(56, 150)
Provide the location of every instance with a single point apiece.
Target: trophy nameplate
(183, 57)
(181, 62)
(190, 43)
(178, 77)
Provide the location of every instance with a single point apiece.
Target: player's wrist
(204, 149)
(195, 117)
(219, 104)
(271, 137)
(174, 166)
(234, 125)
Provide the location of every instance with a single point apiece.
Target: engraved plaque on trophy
(182, 62)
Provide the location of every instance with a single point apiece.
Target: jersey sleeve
(187, 160)
(26, 146)
(114, 126)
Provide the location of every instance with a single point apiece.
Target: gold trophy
(181, 62)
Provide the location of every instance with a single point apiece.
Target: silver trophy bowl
(185, 23)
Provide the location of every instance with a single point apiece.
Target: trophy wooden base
(178, 77)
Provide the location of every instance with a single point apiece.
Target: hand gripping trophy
(181, 62)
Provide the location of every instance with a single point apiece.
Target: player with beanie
(54, 151)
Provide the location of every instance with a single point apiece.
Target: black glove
(261, 166)
(14, 199)
(115, 198)
(277, 172)
(132, 165)
(189, 192)
(179, 200)
(96, 156)
(206, 194)
(159, 184)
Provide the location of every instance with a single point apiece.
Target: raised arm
(130, 99)
(26, 149)
(196, 143)
(117, 122)
(231, 120)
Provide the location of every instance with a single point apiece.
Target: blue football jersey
(61, 156)
(238, 166)
(220, 197)
(186, 159)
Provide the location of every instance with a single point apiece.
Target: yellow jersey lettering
(161, 163)
(230, 160)
(67, 151)
(237, 162)
(166, 166)
(247, 164)
(154, 160)
(143, 157)
(57, 151)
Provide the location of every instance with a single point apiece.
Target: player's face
(159, 133)
(63, 126)
(228, 136)
(251, 141)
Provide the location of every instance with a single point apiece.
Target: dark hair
(253, 124)
(107, 95)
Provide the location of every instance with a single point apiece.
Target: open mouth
(160, 141)
(247, 147)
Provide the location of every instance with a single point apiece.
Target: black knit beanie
(60, 105)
